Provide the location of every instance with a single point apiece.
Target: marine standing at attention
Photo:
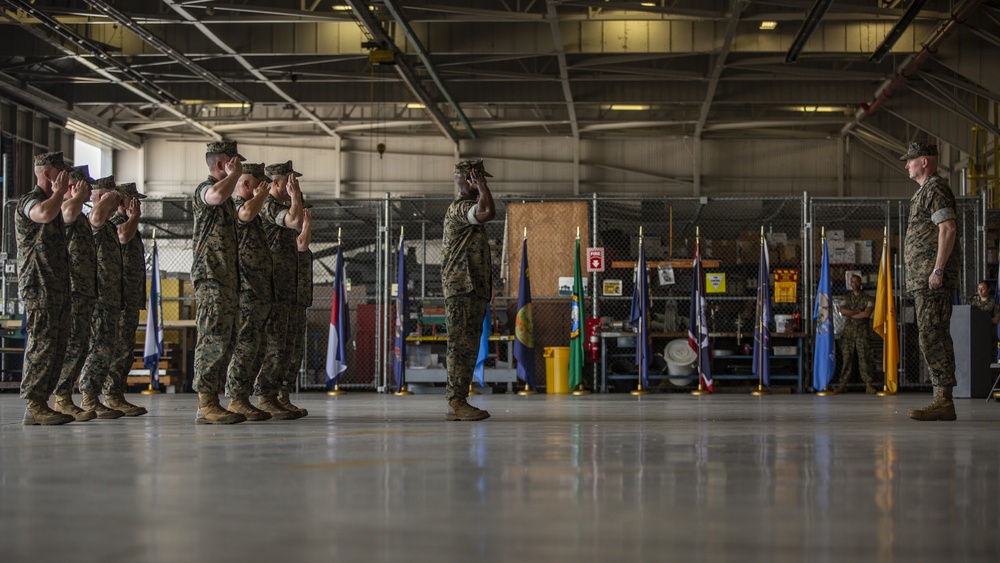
(466, 277)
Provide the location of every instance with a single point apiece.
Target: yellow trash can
(557, 370)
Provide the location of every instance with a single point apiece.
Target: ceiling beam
(557, 44)
(720, 64)
(809, 26)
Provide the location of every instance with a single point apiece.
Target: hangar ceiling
(471, 69)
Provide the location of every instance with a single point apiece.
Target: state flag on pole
(153, 350)
(479, 373)
(576, 356)
(762, 321)
(340, 326)
(698, 327)
(639, 316)
(824, 357)
(402, 309)
(524, 336)
(884, 321)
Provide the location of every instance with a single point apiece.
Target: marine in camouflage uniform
(108, 307)
(988, 305)
(215, 272)
(855, 338)
(126, 220)
(298, 318)
(43, 285)
(931, 275)
(466, 277)
(83, 290)
(255, 294)
(281, 224)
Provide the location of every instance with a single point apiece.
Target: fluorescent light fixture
(648, 4)
(231, 105)
(820, 109)
(192, 102)
(341, 7)
(768, 25)
(415, 105)
(628, 107)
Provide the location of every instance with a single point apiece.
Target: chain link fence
(728, 228)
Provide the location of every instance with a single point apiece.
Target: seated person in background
(983, 300)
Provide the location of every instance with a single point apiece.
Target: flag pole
(639, 340)
(337, 391)
(149, 390)
(580, 389)
(527, 388)
(824, 392)
(701, 389)
(885, 261)
(761, 391)
(403, 389)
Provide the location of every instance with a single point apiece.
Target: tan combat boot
(117, 401)
(39, 413)
(252, 413)
(941, 408)
(93, 403)
(287, 404)
(64, 404)
(210, 412)
(460, 409)
(269, 403)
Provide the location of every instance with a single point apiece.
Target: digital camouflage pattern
(281, 240)
(78, 342)
(933, 203)
(103, 332)
(110, 287)
(123, 351)
(128, 189)
(296, 345)
(45, 348)
(281, 169)
(304, 279)
(53, 159)
(991, 307)
(42, 255)
(245, 363)
(82, 257)
(81, 174)
(467, 266)
(215, 318)
(215, 253)
(275, 351)
(133, 267)
(464, 318)
(933, 308)
(228, 148)
(254, 254)
(855, 339)
(918, 149)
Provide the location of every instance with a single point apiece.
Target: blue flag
(340, 326)
(698, 326)
(524, 335)
(484, 349)
(402, 310)
(996, 297)
(639, 317)
(824, 357)
(153, 348)
(762, 320)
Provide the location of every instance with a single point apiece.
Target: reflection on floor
(598, 478)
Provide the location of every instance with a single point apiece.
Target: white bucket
(784, 323)
(681, 360)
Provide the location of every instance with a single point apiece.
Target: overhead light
(231, 105)
(210, 103)
(415, 105)
(768, 25)
(648, 4)
(628, 107)
(192, 102)
(820, 109)
(341, 7)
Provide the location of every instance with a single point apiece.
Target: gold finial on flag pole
(526, 233)
(339, 229)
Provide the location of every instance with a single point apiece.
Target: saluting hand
(260, 190)
(234, 166)
(61, 183)
(134, 211)
(292, 186)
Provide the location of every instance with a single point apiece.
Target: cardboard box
(724, 250)
(777, 238)
(790, 252)
(863, 251)
(834, 235)
(842, 253)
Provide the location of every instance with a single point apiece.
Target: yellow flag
(884, 321)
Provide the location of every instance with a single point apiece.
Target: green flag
(576, 357)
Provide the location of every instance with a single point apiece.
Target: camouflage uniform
(298, 320)
(277, 349)
(215, 272)
(44, 286)
(991, 307)
(932, 204)
(107, 310)
(467, 282)
(83, 284)
(134, 300)
(255, 298)
(856, 337)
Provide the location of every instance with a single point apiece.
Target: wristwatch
(938, 272)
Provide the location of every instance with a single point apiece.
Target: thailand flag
(340, 326)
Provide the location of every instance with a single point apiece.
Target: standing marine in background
(855, 338)
(215, 273)
(133, 298)
(466, 277)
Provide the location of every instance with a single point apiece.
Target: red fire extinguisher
(592, 342)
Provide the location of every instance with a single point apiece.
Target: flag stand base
(337, 391)
(760, 391)
(579, 390)
(884, 394)
(639, 391)
(404, 391)
(699, 391)
(150, 391)
(527, 391)
(825, 393)
(472, 391)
